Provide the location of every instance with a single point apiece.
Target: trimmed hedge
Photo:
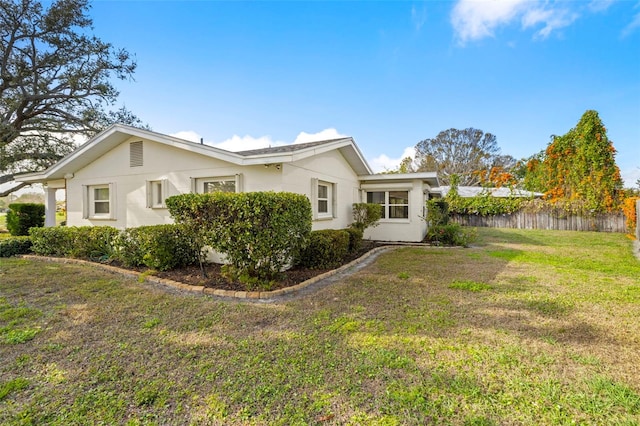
(56, 241)
(80, 242)
(22, 216)
(15, 246)
(160, 247)
(259, 232)
(326, 249)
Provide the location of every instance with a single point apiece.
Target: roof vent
(135, 154)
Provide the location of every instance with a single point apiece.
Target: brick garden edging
(241, 295)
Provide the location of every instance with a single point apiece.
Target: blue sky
(251, 74)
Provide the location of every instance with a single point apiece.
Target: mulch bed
(193, 276)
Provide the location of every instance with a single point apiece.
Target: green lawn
(529, 327)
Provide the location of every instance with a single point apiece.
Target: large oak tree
(55, 83)
(469, 154)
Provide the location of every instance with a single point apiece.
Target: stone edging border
(241, 295)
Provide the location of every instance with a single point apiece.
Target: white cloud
(188, 135)
(418, 17)
(633, 25)
(477, 19)
(323, 135)
(551, 19)
(384, 163)
(247, 142)
(473, 20)
(600, 5)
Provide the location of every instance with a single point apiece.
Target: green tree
(469, 153)
(580, 166)
(55, 83)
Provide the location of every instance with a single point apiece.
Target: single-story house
(122, 176)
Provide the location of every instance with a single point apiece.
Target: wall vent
(135, 154)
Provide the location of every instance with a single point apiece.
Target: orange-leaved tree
(580, 166)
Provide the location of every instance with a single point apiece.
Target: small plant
(452, 234)
(366, 215)
(437, 212)
(325, 250)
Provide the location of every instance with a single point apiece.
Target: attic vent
(135, 154)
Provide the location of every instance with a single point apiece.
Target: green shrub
(92, 242)
(355, 238)
(366, 215)
(80, 242)
(15, 246)
(22, 216)
(259, 232)
(160, 247)
(55, 241)
(452, 234)
(326, 249)
(437, 212)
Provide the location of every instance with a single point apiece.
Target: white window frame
(386, 206)
(89, 205)
(198, 185)
(329, 198)
(157, 193)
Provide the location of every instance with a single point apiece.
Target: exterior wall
(412, 229)
(179, 168)
(161, 162)
(331, 167)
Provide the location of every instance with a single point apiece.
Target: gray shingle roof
(283, 149)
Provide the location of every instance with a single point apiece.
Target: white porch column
(50, 206)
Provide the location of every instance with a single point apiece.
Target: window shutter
(194, 189)
(239, 183)
(149, 189)
(334, 200)
(135, 154)
(165, 192)
(85, 202)
(314, 197)
(112, 201)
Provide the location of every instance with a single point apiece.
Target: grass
(529, 327)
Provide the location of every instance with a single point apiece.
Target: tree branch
(13, 189)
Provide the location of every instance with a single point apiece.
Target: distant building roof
(503, 192)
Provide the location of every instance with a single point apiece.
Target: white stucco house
(122, 176)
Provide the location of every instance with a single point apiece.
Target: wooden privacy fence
(610, 222)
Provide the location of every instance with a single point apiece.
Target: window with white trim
(323, 199)
(99, 201)
(325, 190)
(395, 204)
(156, 194)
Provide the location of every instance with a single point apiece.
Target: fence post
(638, 220)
